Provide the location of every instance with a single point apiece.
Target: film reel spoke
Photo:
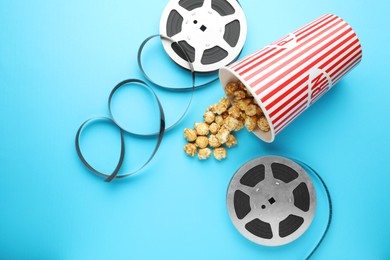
(208, 4)
(224, 45)
(181, 10)
(295, 183)
(246, 189)
(275, 228)
(297, 212)
(179, 37)
(198, 55)
(269, 178)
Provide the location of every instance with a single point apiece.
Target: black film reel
(212, 32)
(271, 200)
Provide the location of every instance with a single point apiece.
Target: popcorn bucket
(289, 75)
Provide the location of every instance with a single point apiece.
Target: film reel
(211, 32)
(271, 200)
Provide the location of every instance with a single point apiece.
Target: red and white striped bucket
(289, 75)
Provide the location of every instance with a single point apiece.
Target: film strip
(162, 126)
(271, 200)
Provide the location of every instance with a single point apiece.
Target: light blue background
(58, 62)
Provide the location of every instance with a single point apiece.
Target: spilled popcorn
(221, 120)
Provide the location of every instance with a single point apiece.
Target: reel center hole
(203, 28)
(271, 201)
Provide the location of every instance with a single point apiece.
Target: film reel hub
(211, 32)
(271, 200)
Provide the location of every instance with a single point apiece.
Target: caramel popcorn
(214, 128)
(214, 142)
(230, 88)
(239, 94)
(231, 141)
(251, 110)
(225, 101)
(225, 115)
(219, 120)
(243, 104)
(220, 108)
(202, 141)
(190, 149)
(240, 124)
(190, 134)
(230, 123)
(234, 112)
(212, 108)
(240, 85)
(204, 153)
(220, 153)
(250, 123)
(202, 128)
(263, 124)
(223, 135)
(209, 117)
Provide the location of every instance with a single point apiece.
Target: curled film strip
(162, 127)
(271, 200)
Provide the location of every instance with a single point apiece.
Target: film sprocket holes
(271, 200)
(289, 75)
(211, 32)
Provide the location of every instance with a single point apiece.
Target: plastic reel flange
(211, 32)
(271, 200)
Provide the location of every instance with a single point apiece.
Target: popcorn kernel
(214, 128)
(231, 141)
(190, 149)
(262, 123)
(230, 88)
(223, 135)
(239, 94)
(251, 110)
(220, 108)
(219, 120)
(202, 141)
(202, 128)
(230, 123)
(250, 123)
(214, 142)
(240, 124)
(220, 153)
(190, 134)
(204, 153)
(209, 117)
(212, 108)
(225, 101)
(241, 85)
(234, 112)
